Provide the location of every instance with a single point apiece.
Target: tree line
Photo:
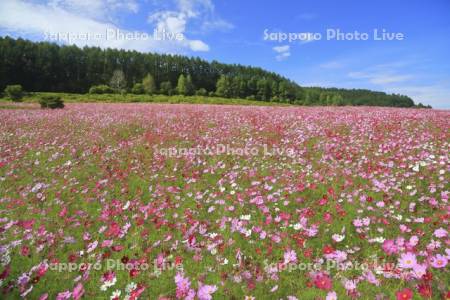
(43, 66)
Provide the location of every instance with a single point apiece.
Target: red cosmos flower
(134, 272)
(5, 272)
(342, 213)
(72, 258)
(328, 249)
(251, 285)
(178, 260)
(425, 290)
(323, 282)
(25, 251)
(83, 267)
(113, 230)
(307, 252)
(405, 294)
(137, 292)
(428, 276)
(117, 248)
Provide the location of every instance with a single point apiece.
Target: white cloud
(186, 12)
(380, 78)
(281, 49)
(97, 17)
(197, 45)
(283, 52)
(99, 9)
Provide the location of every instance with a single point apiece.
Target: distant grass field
(132, 98)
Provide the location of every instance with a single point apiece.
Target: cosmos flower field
(100, 201)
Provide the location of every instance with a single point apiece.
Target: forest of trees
(43, 66)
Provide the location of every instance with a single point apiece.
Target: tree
(15, 92)
(118, 81)
(337, 100)
(181, 86)
(263, 90)
(44, 66)
(223, 87)
(149, 85)
(201, 92)
(138, 89)
(190, 89)
(185, 86)
(166, 88)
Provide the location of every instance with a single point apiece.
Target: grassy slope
(117, 98)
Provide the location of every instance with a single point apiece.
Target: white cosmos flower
(338, 237)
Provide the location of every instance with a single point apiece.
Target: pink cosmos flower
(407, 261)
(78, 291)
(389, 247)
(183, 289)
(439, 261)
(357, 222)
(205, 292)
(290, 257)
(106, 243)
(440, 233)
(419, 270)
(350, 285)
(64, 295)
(43, 296)
(331, 296)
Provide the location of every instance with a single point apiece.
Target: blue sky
(232, 31)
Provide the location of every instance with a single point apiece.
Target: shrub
(201, 92)
(15, 92)
(166, 88)
(100, 89)
(51, 102)
(138, 89)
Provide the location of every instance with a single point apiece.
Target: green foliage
(223, 87)
(201, 92)
(15, 92)
(166, 88)
(138, 89)
(51, 101)
(185, 86)
(100, 89)
(156, 98)
(181, 86)
(50, 67)
(149, 85)
(118, 82)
